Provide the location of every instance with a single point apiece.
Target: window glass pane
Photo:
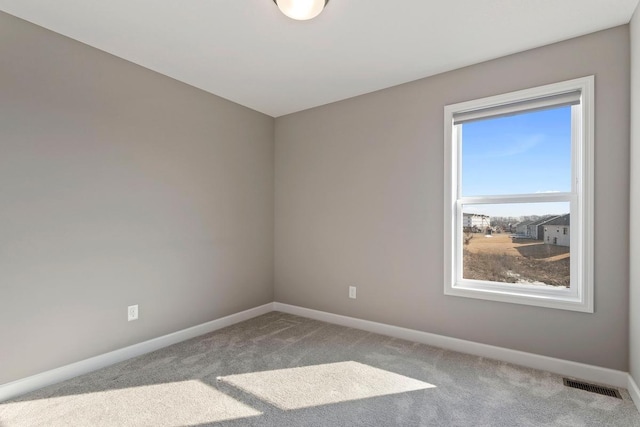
(520, 154)
(519, 243)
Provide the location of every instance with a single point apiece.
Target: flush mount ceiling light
(301, 9)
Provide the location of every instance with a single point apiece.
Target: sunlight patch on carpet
(170, 404)
(325, 384)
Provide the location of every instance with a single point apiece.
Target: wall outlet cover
(132, 312)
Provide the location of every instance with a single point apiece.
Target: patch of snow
(527, 282)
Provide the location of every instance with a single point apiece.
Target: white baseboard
(558, 366)
(35, 382)
(634, 391)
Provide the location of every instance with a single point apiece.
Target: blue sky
(521, 154)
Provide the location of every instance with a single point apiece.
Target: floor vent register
(592, 388)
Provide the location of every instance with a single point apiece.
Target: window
(522, 163)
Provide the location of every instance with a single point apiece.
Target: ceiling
(248, 52)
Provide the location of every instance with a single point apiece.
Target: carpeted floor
(283, 370)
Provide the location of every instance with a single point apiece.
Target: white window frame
(579, 295)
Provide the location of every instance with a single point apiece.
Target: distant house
(521, 227)
(532, 228)
(475, 221)
(558, 231)
(538, 233)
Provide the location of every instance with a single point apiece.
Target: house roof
(560, 220)
(545, 220)
(520, 224)
(535, 222)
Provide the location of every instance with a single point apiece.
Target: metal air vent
(592, 388)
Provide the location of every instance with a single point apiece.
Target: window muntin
(552, 170)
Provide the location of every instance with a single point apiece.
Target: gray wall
(120, 186)
(634, 249)
(359, 201)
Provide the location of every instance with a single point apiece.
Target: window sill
(561, 299)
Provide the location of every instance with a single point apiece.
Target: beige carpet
(280, 370)
(309, 386)
(134, 406)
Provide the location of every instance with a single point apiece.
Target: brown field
(501, 259)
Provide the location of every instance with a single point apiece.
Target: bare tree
(467, 237)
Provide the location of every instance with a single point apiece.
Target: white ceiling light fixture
(301, 10)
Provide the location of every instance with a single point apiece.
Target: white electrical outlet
(132, 312)
(352, 292)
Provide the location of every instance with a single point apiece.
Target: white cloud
(516, 147)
